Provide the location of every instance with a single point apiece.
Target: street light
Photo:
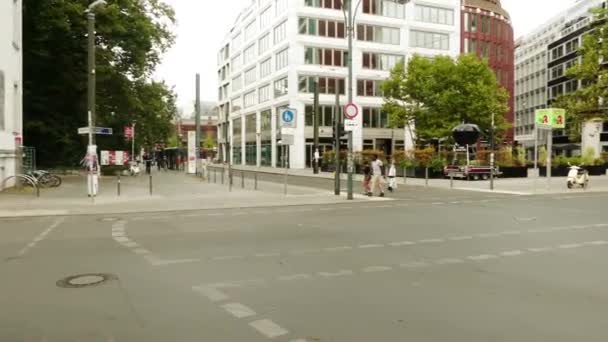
(90, 11)
(349, 17)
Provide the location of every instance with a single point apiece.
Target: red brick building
(487, 32)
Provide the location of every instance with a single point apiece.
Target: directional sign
(98, 130)
(287, 139)
(351, 111)
(288, 117)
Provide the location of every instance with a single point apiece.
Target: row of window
(486, 49)
(321, 27)
(280, 6)
(281, 62)
(429, 40)
(482, 23)
(372, 117)
(379, 34)
(325, 56)
(434, 15)
(249, 99)
(564, 49)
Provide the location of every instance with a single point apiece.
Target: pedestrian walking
(392, 176)
(367, 178)
(377, 176)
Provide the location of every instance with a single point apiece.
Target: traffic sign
(97, 130)
(350, 125)
(128, 132)
(288, 117)
(351, 111)
(287, 139)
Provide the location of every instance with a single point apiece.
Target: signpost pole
(549, 155)
(315, 147)
(350, 29)
(337, 133)
(492, 154)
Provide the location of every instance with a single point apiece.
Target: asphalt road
(432, 265)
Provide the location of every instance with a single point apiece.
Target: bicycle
(45, 179)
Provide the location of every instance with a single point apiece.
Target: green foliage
(424, 157)
(131, 36)
(437, 94)
(437, 164)
(520, 155)
(209, 143)
(542, 156)
(588, 157)
(585, 104)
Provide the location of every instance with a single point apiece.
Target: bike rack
(27, 178)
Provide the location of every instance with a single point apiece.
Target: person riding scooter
(578, 176)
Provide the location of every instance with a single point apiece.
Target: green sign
(553, 117)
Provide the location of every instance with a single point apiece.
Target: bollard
(404, 175)
(118, 184)
(243, 179)
(255, 178)
(150, 185)
(426, 176)
(223, 172)
(215, 176)
(451, 180)
(37, 191)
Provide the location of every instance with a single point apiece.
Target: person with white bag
(392, 176)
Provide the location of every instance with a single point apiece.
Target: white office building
(278, 48)
(10, 85)
(532, 59)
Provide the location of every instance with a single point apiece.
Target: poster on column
(191, 152)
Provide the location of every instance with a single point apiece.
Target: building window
(264, 44)
(485, 24)
(320, 56)
(571, 86)
(571, 46)
(250, 76)
(237, 105)
(2, 99)
(280, 87)
(329, 4)
(374, 118)
(557, 72)
(249, 99)
(321, 27)
(470, 22)
(282, 59)
(250, 31)
(265, 18)
(280, 32)
(387, 8)
(249, 54)
(327, 85)
(280, 6)
(265, 68)
(556, 91)
(379, 61)
(434, 15)
(17, 24)
(237, 63)
(264, 93)
(378, 34)
(470, 45)
(326, 115)
(557, 52)
(429, 40)
(237, 83)
(237, 41)
(369, 88)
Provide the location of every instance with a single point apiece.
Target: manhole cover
(85, 280)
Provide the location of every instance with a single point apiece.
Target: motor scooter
(134, 169)
(577, 176)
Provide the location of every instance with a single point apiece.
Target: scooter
(134, 169)
(578, 176)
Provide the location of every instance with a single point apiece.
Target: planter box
(596, 170)
(418, 172)
(559, 171)
(513, 172)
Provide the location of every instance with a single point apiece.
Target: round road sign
(351, 111)
(288, 116)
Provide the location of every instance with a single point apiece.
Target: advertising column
(191, 152)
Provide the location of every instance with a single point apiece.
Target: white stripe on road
(401, 243)
(336, 274)
(570, 246)
(431, 241)
(268, 328)
(212, 293)
(337, 249)
(373, 269)
(414, 264)
(371, 246)
(512, 253)
(40, 237)
(449, 261)
(482, 257)
(461, 238)
(238, 310)
(540, 249)
(294, 277)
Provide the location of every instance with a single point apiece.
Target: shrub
(437, 164)
(589, 156)
(424, 157)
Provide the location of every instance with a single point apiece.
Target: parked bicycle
(44, 179)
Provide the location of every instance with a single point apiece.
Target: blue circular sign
(288, 116)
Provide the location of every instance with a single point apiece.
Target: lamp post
(350, 16)
(492, 153)
(91, 66)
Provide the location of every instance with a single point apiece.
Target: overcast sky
(202, 27)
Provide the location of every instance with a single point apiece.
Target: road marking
(597, 243)
(488, 235)
(414, 264)
(372, 269)
(482, 257)
(267, 255)
(41, 236)
(141, 251)
(294, 277)
(461, 238)
(371, 246)
(511, 232)
(304, 251)
(437, 203)
(540, 249)
(512, 253)
(431, 241)
(161, 262)
(336, 274)
(130, 244)
(402, 243)
(570, 246)
(122, 239)
(449, 261)
(268, 328)
(337, 249)
(211, 292)
(238, 310)
(215, 214)
(228, 257)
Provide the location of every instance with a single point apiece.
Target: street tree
(588, 102)
(131, 37)
(434, 95)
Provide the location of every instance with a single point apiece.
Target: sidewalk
(514, 186)
(172, 191)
